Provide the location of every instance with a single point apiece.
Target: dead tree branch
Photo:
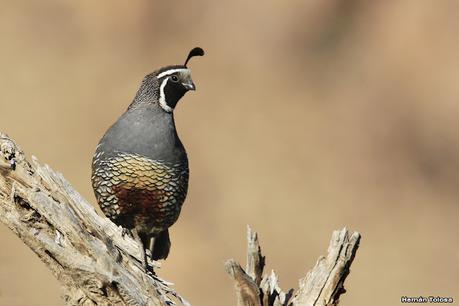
(322, 286)
(97, 265)
(87, 253)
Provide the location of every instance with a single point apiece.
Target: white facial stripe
(162, 97)
(170, 71)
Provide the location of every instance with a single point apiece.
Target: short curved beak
(189, 85)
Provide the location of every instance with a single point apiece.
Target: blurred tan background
(309, 116)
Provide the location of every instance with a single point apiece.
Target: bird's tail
(160, 245)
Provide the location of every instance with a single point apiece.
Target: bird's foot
(143, 254)
(125, 231)
(149, 260)
(151, 271)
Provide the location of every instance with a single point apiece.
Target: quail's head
(167, 85)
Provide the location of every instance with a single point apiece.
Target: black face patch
(173, 91)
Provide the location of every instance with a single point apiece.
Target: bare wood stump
(322, 286)
(97, 265)
(87, 253)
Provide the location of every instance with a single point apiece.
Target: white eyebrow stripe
(170, 71)
(162, 97)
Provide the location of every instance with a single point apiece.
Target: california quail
(140, 167)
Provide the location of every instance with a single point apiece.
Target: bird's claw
(124, 232)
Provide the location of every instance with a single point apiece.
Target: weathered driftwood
(322, 286)
(87, 253)
(98, 265)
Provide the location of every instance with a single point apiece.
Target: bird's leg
(151, 243)
(143, 254)
(149, 254)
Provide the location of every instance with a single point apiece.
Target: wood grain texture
(87, 253)
(97, 265)
(322, 286)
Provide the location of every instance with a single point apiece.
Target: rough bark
(87, 253)
(322, 286)
(98, 265)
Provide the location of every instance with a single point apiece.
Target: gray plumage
(140, 167)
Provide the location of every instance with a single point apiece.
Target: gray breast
(146, 131)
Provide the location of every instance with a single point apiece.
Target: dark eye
(174, 78)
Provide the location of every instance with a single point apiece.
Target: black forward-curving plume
(197, 51)
(140, 167)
